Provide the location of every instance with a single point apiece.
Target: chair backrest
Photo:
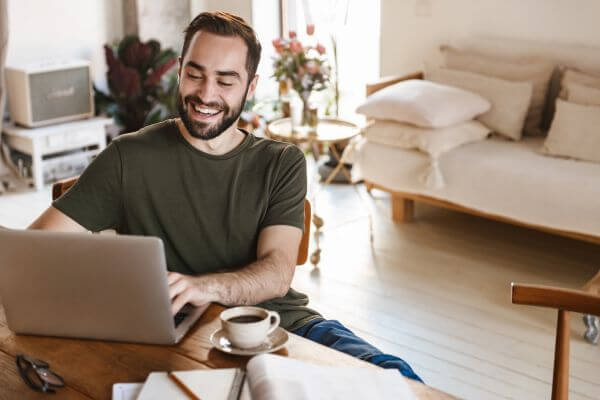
(61, 187)
(564, 300)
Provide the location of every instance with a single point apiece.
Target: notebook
(205, 384)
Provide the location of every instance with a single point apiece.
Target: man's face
(213, 84)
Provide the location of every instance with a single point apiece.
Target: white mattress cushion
(582, 78)
(424, 104)
(431, 141)
(534, 70)
(575, 132)
(510, 100)
(576, 93)
(499, 177)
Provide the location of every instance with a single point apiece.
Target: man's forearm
(264, 279)
(269, 277)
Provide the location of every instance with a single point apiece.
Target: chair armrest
(60, 187)
(385, 81)
(563, 299)
(303, 249)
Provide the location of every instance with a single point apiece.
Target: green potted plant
(142, 84)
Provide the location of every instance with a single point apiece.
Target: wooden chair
(564, 300)
(61, 187)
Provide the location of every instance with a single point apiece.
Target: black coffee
(245, 319)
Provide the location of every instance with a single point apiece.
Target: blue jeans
(333, 334)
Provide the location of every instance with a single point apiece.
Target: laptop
(81, 285)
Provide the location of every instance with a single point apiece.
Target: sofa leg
(403, 210)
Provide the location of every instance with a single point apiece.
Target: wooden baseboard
(400, 204)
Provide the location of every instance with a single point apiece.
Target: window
(352, 24)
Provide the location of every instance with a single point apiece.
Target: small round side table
(328, 132)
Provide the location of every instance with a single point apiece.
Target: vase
(304, 120)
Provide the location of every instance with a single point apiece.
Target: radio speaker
(42, 94)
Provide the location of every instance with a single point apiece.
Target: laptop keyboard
(179, 317)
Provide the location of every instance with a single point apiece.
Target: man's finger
(173, 277)
(177, 287)
(180, 301)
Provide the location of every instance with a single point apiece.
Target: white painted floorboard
(436, 292)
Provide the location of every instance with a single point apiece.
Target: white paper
(126, 391)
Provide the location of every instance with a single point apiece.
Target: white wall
(412, 30)
(63, 29)
(241, 8)
(163, 20)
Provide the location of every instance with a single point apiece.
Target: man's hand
(188, 289)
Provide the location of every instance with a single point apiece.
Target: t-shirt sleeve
(95, 200)
(286, 200)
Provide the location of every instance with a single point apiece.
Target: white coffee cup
(247, 327)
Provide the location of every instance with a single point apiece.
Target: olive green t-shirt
(207, 209)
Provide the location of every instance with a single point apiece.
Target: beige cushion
(533, 70)
(581, 78)
(576, 93)
(424, 104)
(510, 100)
(575, 132)
(432, 141)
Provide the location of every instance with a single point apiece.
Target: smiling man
(228, 206)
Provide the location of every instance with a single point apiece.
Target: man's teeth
(207, 111)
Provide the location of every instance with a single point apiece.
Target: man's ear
(252, 86)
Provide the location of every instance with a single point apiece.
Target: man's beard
(201, 130)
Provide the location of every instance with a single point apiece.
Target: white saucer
(275, 341)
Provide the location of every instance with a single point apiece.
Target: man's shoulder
(277, 149)
(155, 134)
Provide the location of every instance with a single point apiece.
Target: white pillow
(510, 100)
(433, 141)
(580, 94)
(575, 132)
(424, 104)
(533, 70)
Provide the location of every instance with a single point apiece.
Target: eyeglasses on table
(38, 375)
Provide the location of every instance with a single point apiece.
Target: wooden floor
(436, 292)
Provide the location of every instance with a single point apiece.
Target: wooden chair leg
(403, 210)
(560, 381)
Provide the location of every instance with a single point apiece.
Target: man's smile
(203, 113)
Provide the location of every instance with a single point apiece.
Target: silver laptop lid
(88, 286)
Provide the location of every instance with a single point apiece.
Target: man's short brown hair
(225, 24)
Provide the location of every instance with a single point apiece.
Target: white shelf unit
(58, 151)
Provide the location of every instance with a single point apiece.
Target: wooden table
(90, 367)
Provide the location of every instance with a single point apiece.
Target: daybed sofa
(510, 181)
(496, 178)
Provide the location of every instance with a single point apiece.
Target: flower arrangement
(304, 66)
